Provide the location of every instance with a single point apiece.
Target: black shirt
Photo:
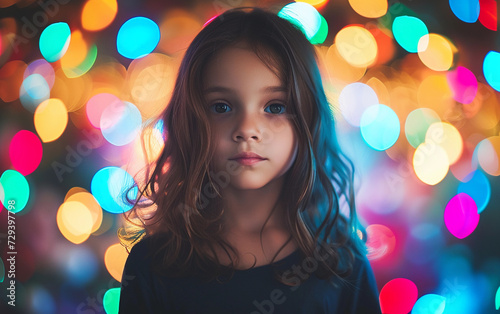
(249, 291)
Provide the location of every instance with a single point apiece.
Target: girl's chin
(247, 185)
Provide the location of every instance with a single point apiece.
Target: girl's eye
(277, 108)
(220, 107)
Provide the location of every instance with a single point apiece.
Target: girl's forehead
(232, 53)
(237, 64)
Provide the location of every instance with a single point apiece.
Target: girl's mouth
(248, 161)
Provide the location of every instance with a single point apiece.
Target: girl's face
(247, 112)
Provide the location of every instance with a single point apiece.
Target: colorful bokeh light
(461, 215)
(322, 32)
(477, 186)
(150, 143)
(435, 93)
(16, 189)
(354, 99)
(380, 241)
(34, 90)
(75, 221)
(114, 259)
(25, 152)
(340, 70)
(42, 67)
(487, 154)
(77, 51)
(465, 10)
(417, 123)
(89, 201)
(491, 69)
(497, 299)
(145, 76)
(436, 52)
(111, 301)
(307, 19)
(109, 186)
(98, 14)
(398, 296)
(85, 66)
(54, 41)
(73, 91)
(429, 304)
(318, 4)
(96, 105)
(356, 45)
(120, 123)
(407, 31)
(137, 37)
(178, 28)
(370, 8)
(386, 46)
(380, 127)
(79, 57)
(51, 119)
(447, 137)
(488, 15)
(463, 84)
(430, 162)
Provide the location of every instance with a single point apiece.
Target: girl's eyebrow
(222, 89)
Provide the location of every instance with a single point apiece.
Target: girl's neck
(246, 211)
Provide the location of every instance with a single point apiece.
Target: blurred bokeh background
(414, 86)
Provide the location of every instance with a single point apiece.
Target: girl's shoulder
(362, 266)
(361, 278)
(143, 252)
(360, 290)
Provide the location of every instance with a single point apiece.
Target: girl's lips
(247, 155)
(248, 161)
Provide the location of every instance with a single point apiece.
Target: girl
(248, 190)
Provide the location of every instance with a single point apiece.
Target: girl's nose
(248, 128)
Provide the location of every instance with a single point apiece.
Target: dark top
(249, 291)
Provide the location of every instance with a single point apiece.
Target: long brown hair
(186, 219)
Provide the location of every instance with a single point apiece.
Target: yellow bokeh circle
(51, 119)
(369, 8)
(114, 259)
(356, 45)
(74, 220)
(448, 137)
(438, 54)
(98, 14)
(430, 163)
